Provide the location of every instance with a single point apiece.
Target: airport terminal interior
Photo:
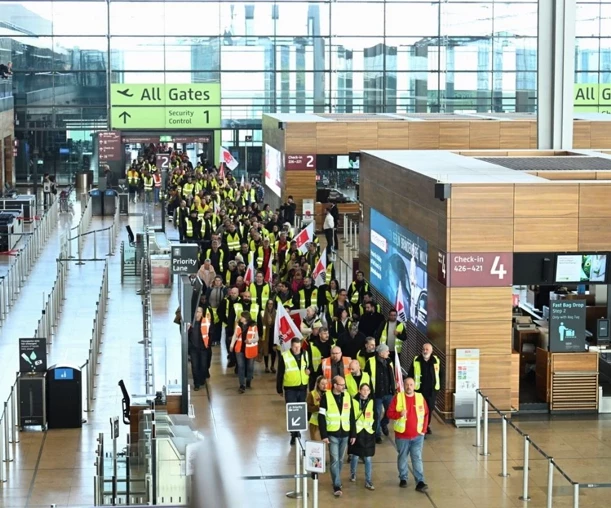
(235, 236)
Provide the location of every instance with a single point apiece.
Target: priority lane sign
(296, 417)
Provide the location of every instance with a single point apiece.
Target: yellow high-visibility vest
(364, 420)
(418, 373)
(399, 425)
(294, 375)
(334, 418)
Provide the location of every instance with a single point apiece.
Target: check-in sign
(185, 259)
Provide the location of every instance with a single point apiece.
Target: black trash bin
(110, 202)
(64, 397)
(97, 202)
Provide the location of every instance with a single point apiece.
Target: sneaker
(353, 478)
(369, 486)
(422, 487)
(429, 431)
(403, 484)
(385, 430)
(242, 389)
(337, 491)
(379, 440)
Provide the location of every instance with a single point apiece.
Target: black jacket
(427, 383)
(370, 323)
(384, 383)
(350, 346)
(365, 444)
(322, 420)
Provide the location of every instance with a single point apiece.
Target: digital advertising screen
(398, 268)
(581, 268)
(273, 170)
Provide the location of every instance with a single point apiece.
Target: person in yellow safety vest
(356, 378)
(425, 370)
(308, 295)
(199, 346)
(337, 427)
(293, 376)
(364, 444)
(329, 272)
(368, 351)
(157, 181)
(313, 401)
(381, 370)
(393, 333)
(133, 181)
(247, 305)
(188, 188)
(193, 227)
(358, 288)
(367, 298)
(231, 238)
(409, 411)
(336, 365)
(148, 187)
(260, 289)
(245, 345)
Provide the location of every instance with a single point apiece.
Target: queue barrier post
(524, 496)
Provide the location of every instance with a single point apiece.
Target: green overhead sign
(167, 106)
(592, 98)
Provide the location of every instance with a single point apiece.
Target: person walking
(425, 372)
(293, 376)
(410, 412)
(267, 347)
(382, 374)
(328, 228)
(363, 445)
(245, 345)
(337, 426)
(313, 401)
(199, 346)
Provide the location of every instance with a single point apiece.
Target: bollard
(15, 410)
(13, 421)
(110, 236)
(575, 495)
(485, 450)
(296, 494)
(550, 481)
(524, 496)
(314, 490)
(2, 468)
(305, 482)
(95, 245)
(478, 420)
(7, 449)
(504, 472)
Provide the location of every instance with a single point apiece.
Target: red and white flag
(398, 374)
(228, 159)
(319, 274)
(400, 305)
(222, 171)
(249, 276)
(305, 236)
(269, 273)
(286, 329)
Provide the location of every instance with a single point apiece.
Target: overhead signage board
(185, 258)
(567, 326)
(593, 98)
(299, 162)
(165, 106)
(296, 417)
(109, 146)
(32, 355)
(479, 269)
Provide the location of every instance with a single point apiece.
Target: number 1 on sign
(498, 268)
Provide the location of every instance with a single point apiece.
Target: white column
(555, 74)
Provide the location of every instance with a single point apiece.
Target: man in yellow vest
(425, 371)
(393, 333)
(337, 425)
(410, 412)
(293, 376)
(356, 378)
(148, 187)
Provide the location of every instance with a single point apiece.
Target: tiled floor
(57, 467)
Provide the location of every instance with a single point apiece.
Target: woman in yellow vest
(364, 445)
(313, 401)
(245, 345)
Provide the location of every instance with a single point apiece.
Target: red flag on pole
(304, 237)
(286, 329)
(398, 374)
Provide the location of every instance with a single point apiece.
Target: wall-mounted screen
(273, 170)
(343, 162)
(581, 268)
(398, 261)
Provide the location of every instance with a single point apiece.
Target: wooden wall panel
(474, 201)
(545, 234)
(301, 185)
(546, 200)
(534, 137)
(490, 337)
(515, 135)
(594, 234)
(481, 235)
(595, 200)
(603, 175)
(361, 136)
(331, 138)
(480, 304)
(581, 134)
(453, 135)
(600, 135)
(567, 175)
(486, 134)
(393, 135)
(300, 138)
(423, 136)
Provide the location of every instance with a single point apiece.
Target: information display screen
(273, 170)
(398, 268)
(581, 268)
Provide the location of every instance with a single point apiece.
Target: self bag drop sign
(184, 259)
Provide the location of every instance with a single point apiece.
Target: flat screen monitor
(343, 162)
(273, 170)
(576, 268)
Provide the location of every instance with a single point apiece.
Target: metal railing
(147, 325)
(83, 226)
(483, 404)
(344, 272)
(9, 431)
(112, 236)
(351, 231)
(24, 259)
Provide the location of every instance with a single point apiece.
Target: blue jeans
(412, 447)
(368, 467)
(337, 450)
(156, 191)
(382, 405)
(246, 368)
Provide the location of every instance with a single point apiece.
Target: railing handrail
(92, 232)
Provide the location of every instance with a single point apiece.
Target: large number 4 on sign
(498, 268)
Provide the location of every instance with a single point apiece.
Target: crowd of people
(341, 361)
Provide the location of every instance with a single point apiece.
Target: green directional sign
(592, 98)
(166, 106)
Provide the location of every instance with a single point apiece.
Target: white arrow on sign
(295, 421)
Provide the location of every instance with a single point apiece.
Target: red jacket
(411, 424)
